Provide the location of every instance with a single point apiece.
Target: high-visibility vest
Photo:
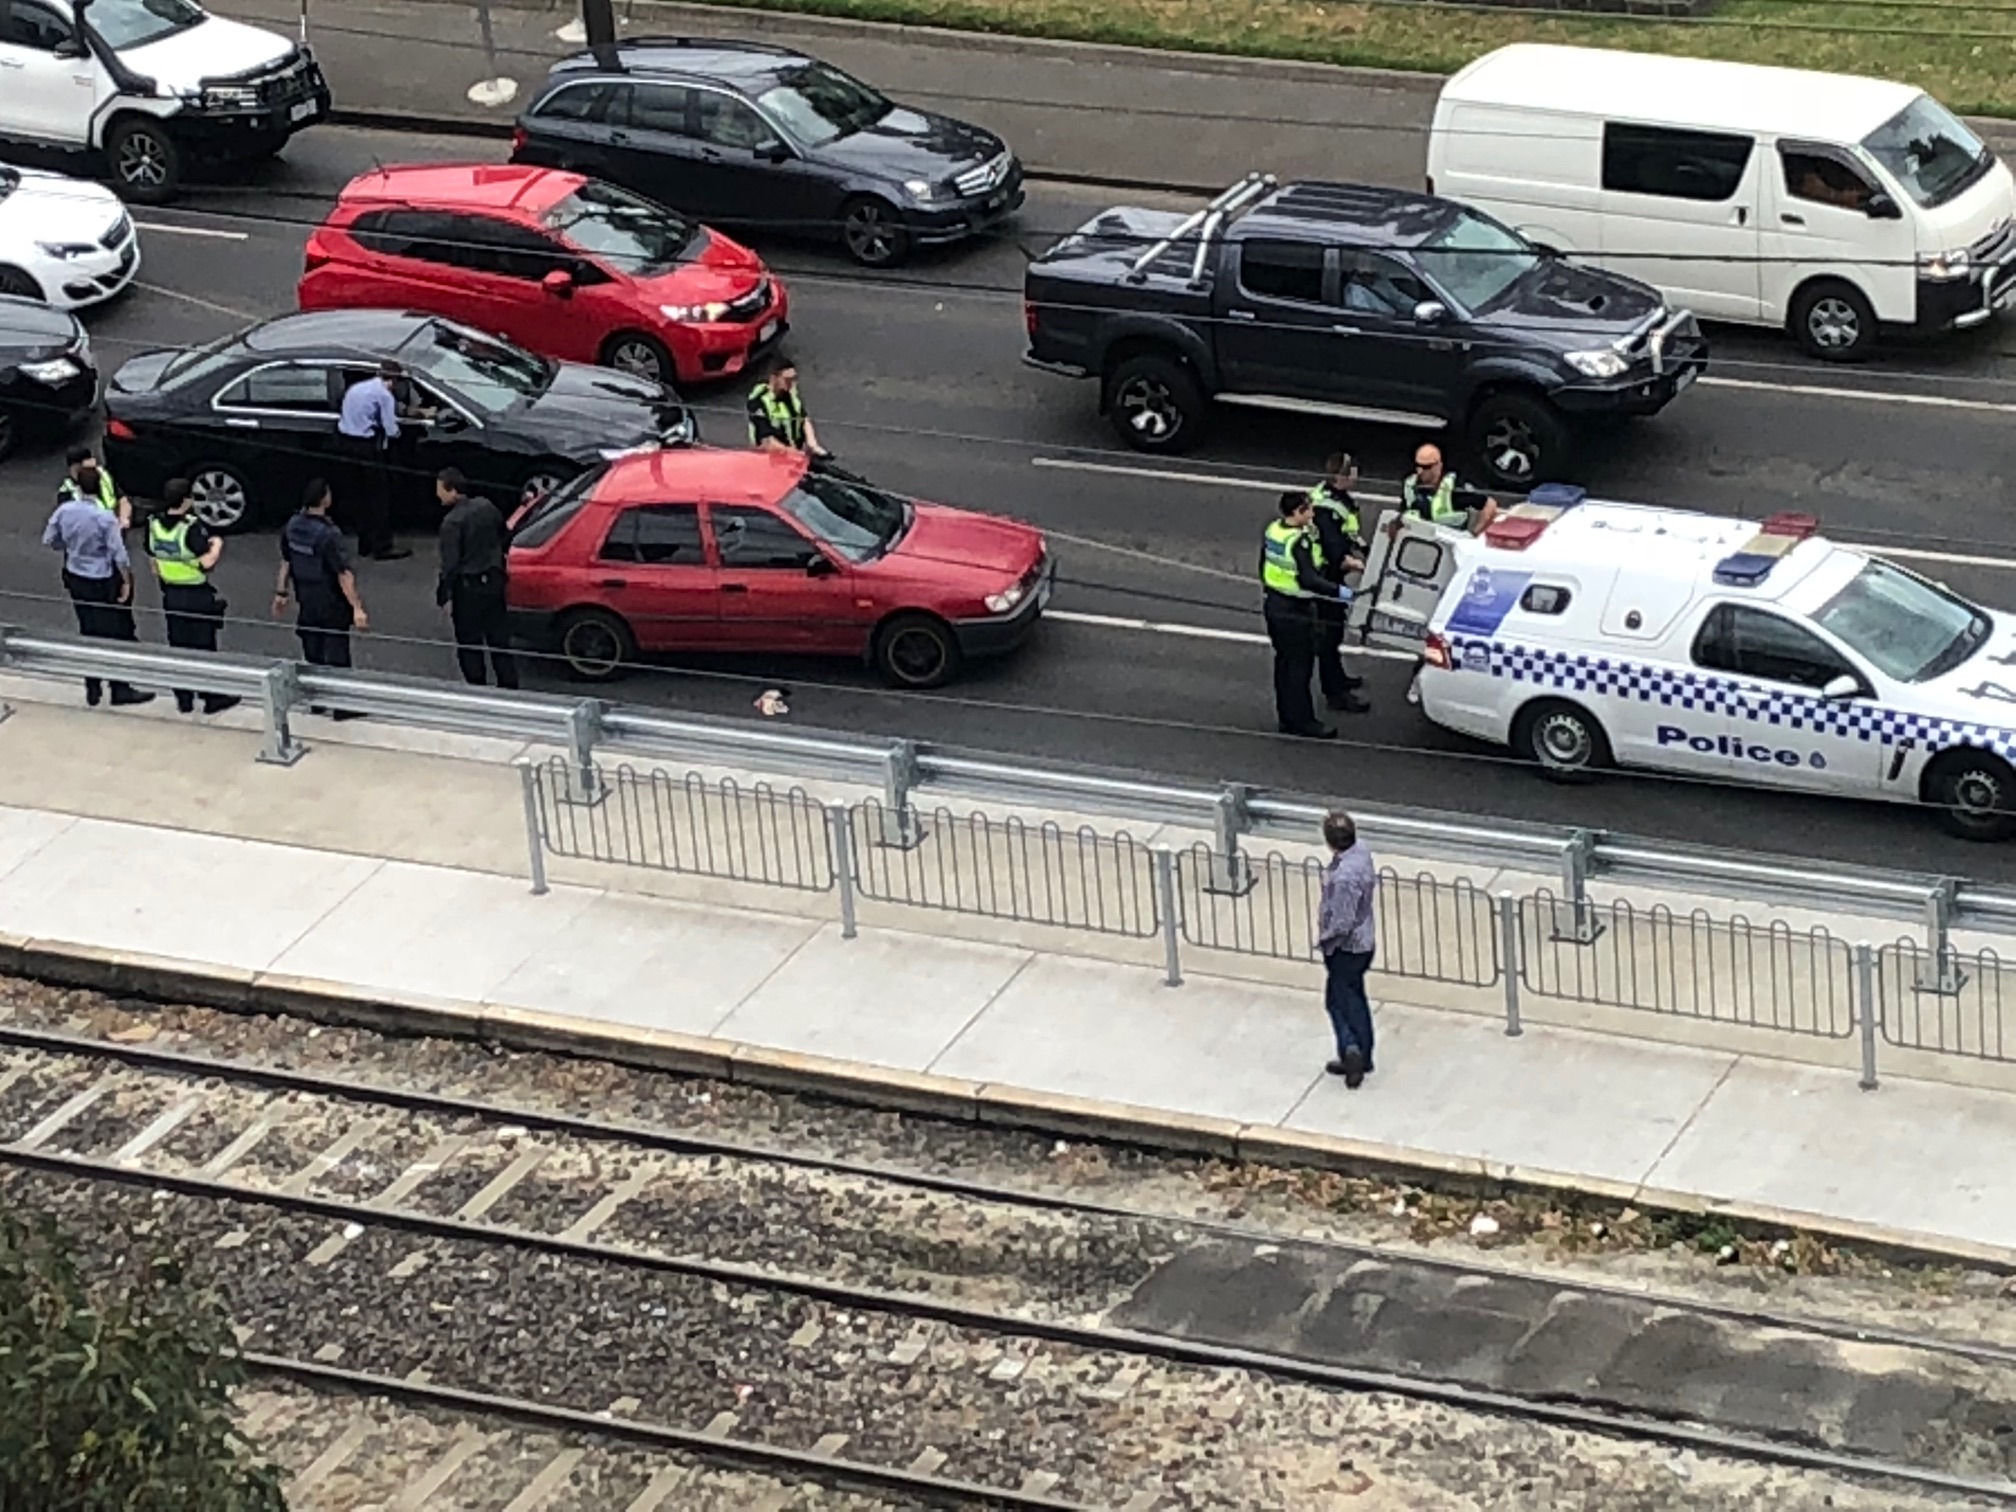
(786, 413)
(1439, 506)
(1343, 508)
(1277, 558)
(174, 563)
(108, 491)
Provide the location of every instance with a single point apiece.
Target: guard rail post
(1231, 870)
(1166, 905)
(840, 827)
(901, 827)
(1865, 1011)
(528, 784)
(1506, 907)
(6, 709)
(278, 691)
(1582, 927)
(584, 728)
(1939, 968)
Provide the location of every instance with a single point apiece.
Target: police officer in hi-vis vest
(1296, 589)
(1432, 492)
(85, 477)
(1339, 534)
(185, 552)
(777, 418)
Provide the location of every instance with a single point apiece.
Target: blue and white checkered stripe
(1677, 688)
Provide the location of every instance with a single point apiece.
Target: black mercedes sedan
(752, 135)
(48, 380)
(250, 419)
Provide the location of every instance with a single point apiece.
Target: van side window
(1282, 270)
(1756, 643)
(1824, 180)
(1689, 165)
(1545, 598)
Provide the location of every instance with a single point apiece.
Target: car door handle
(620, 138)
(1742, 215)
(1344, 330)
(1793, 220)
(612, 582)
(1240, 314)
(734, 587)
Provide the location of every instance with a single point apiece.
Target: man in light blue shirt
(1347, 936)
(98, 576)
(368, 425)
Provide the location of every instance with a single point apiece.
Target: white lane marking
(1818, 391)
(1226, 480)
(1198, 632)
(168, 230)
(199, 301)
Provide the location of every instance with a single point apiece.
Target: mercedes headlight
(56, 370)
(1001, 603)
(64, 251)
(1945, 267)
(1602, 363)
(704, 312)
(919, 190)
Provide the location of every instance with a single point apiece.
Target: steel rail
(1560, 1413)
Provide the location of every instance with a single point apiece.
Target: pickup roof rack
(1239, 197)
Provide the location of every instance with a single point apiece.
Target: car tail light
(314, 258)
(1435, 653)
(518, 140)
(1029, 318)
(119, 430)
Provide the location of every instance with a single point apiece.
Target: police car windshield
(858, 521)
(1476, 260)
(1910, 629)
(135, 23)
(489, 374)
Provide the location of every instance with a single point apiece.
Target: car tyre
(145, 162)
(596, 645)
(220, 497)
(1564, 740)
(916, 651)
(10, 434)
(1976, 794)
(1155, 404)
(640, 356)
(1833, 321)
(542, 480)
(1518, 438)
(872, 231)
(21, 284)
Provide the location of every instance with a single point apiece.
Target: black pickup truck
(1356, 303)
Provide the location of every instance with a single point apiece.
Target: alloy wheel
(916, 655)
(1511, 450)
(1833, 324)
(143, 161)
(1148, 408)
(538, 486)
(638, 360)
(218, 498)
(870, 236)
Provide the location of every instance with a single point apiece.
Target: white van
(1828, 204)
(1584, 634)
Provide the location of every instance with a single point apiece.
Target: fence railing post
(840, 826)
(1172, 920)
(1866, 1011)
(277, 694)
(1507, 908)
(584, 728)
(528, 782)
(1582, 926)
(1231, 871)
(901, 828)
(1939, 968)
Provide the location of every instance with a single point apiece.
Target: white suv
(149, 83)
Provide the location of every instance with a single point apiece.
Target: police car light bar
(1522, 524)
(1774, 540)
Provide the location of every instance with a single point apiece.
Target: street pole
(598, 18)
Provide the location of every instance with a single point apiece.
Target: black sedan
(748, 134)
(48, 380)
(250, 419)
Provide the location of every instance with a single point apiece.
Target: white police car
(1582, 633)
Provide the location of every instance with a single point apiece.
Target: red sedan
(704, 550)
(569, 266)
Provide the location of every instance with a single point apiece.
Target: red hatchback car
(705, 550)
(569, 266)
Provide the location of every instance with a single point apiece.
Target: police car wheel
(1564, 741)
(1155, 404)
(596, 645)
(917, 651)
(1976, 794)
(146, 163)
(219, 497)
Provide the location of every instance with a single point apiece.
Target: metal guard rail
(902, 768)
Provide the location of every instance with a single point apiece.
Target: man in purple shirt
(1346, 935)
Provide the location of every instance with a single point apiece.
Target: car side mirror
(1430, 312)
(559, 283)
(1839, 688)
(772, 151)
(820, 566)
(69, 48)
(1882, 207)
(449, 421)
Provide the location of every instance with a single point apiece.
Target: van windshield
(1474, 260)
(1930, 151)
(1909, 628)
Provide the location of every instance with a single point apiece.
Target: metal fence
(1948, 1002)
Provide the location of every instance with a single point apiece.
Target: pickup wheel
(1519, 439)
(145, 161)
(1155, 403)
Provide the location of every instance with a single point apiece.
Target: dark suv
(742, 133)
(1353, 302)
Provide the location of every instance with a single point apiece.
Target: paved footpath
(384, 878)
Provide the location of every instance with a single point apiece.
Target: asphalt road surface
(1153, 658)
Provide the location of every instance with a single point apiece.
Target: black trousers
(194, 615)
(366, 499)
(323, 625)
(100, 616)
(1330, 673)
(1294, 629)
(476, 605)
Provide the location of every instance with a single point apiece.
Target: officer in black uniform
(475, 546)
(1339, 533)
(324, 583)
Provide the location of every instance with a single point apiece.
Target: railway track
(918, 1336)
